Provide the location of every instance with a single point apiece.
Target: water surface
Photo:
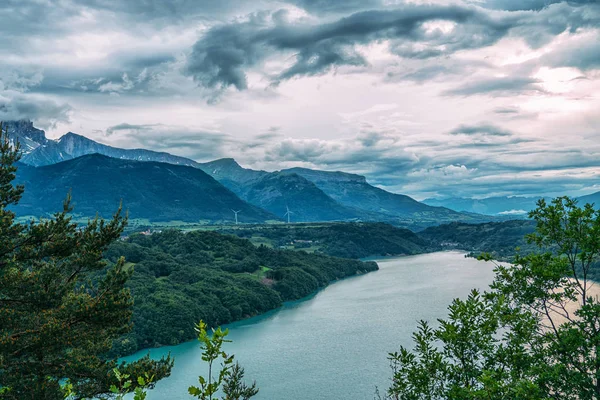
(334, 345)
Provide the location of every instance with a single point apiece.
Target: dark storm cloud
(507, 110)
(194, 144)
(438, 68)
(127, 127)
(336, 6)
(372, 139)
(481, 129)
(27, 18)
(169, 9)
(520, 5)
(273, 133)
(45, 112)
(497, 86)
(515, 113)
(222, 56)
(262, 140)
(120, 71)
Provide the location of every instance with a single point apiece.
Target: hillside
(499, 238)
(231, 174)
(341, 196)
(346, 239)
(593, 198)
(151, 190)
(354, 191)
(181, 278)
(277, 191)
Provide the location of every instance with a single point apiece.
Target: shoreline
(251, 319)
(261, 315)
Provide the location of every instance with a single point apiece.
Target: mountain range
(327, 196)
(150, 190)
(593, 198)
(516, 206)
(507, 206)
(161, 186)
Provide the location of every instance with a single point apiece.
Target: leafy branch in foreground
(229, 378)
(534, 335)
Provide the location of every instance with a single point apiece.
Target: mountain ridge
(72, 145)
(149, 190)
(333, 195)
(516, 206)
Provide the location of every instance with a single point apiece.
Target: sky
(437, 98)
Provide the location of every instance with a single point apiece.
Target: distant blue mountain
(593, 198)
(508, 206)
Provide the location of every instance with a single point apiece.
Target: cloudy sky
(427, 98)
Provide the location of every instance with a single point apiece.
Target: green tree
(534, 335)
(229, 378)
(61, 304)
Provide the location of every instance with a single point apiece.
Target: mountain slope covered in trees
(276, 192)
(150, 190)
(347, 239)
(181, 278)
(498, 238)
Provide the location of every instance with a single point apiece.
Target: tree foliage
(501, 239)
(347, 239)
(229, 378)
(534, 335)
(181, 278)
(61, 306)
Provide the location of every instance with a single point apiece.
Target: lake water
(334, 345)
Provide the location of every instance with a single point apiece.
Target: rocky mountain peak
(326, 176)
(229, 169)
(26, 134)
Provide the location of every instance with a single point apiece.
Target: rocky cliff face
(326, 176)
(229, 169)
(72, 145)
(26, 134)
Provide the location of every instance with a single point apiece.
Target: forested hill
(151, 190)
(347, 239)
(498, 238)
(180, 278)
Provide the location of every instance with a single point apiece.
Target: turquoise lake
(334, 345)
